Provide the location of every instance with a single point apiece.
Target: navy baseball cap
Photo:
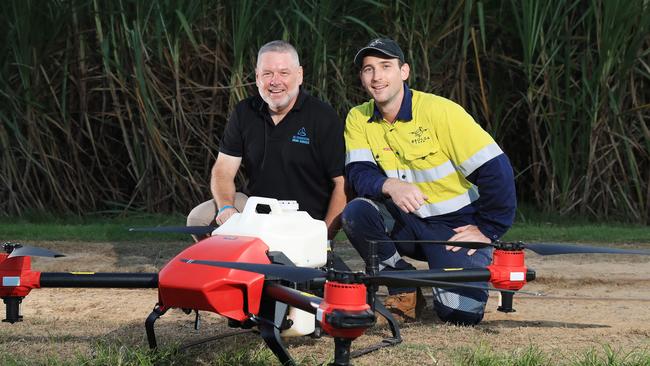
(383, 46)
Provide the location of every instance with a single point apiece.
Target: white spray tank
(285, 229)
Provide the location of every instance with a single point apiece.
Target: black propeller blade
(26, 251)
(290, 273)
(557, 248)
(539, 248)
(194, 230)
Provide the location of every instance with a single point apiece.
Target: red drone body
(232, 293)
(17, 277)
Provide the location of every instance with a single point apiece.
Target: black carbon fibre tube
(291, 297)
(465, 275)
(530, 275)
(449, 275)
(99, 280)
(453, 275)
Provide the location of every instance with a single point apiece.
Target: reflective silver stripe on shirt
(441, 208)
(481, 157)
(356, 155)
(423, 176)
(458, 302)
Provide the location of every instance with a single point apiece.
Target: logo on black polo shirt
(301, 137)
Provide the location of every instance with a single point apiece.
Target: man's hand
(224, 215)
(406, 196)
(467, 233)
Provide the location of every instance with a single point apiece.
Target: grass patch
(105, 353)
(254, 356)
(115, 354)
(484, 356)
(530, 226)
(534, 225)
(611, 357)
(588, 233)
(532, 356)
(89, 228)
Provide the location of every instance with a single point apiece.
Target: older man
(290, 143)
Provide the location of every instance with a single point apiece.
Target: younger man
(422, 169)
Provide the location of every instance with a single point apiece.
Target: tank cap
(288, 205)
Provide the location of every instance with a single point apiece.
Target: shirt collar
(405, 112)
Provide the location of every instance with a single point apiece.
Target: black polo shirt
(293, 160)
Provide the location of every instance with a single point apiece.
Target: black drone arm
(99, 280)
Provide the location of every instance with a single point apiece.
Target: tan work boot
(405, 307)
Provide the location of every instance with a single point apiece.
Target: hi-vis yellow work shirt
(435, 150)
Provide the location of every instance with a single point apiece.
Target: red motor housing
(508, 269)
(17, 278)
(344, 312)
(232, 293)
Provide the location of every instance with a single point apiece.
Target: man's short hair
(278, 46)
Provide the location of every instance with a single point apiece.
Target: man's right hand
(225, 215)
(407, 196)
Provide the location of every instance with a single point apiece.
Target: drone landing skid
(270, 330)
(157, 312)
(386, 342)
(272, 317)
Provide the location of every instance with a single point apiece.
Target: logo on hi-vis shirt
(419, 136)
(301, 137)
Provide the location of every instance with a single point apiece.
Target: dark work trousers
(364, 219)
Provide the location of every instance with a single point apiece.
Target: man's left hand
(467, 233)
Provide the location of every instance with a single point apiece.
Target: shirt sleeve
(232, 142)
(497, 200)
(361, 169)
(482, 162)
(366, 179)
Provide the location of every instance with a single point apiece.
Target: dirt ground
(590, 301)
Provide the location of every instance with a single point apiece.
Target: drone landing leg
(157, 312)
(270, 331)
(13, 309)
(392, 323)
(341, 351)
(372, 268)
(506, 303)
(386, 342)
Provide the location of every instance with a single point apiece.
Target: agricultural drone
(259, 277)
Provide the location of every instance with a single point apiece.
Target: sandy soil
(591, 301)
